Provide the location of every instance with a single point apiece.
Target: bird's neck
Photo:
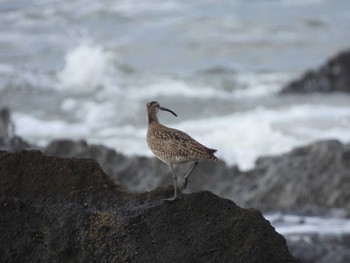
(152, 119)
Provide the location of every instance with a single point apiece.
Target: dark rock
(5, 123)
(298, 179)
(141, 173)
(135, 173)
(322, 249)
(29, 175)
(68, 210)
(316, 175)
(333, 76)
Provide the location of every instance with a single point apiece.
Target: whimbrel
(174, 146)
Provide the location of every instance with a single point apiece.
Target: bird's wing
(184, 145)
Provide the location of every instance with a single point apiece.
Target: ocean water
(297, 226)
(86, 69)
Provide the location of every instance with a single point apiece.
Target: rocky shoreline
(298, 179)
(294, 182)
(76, 202)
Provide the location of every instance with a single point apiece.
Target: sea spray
(86, 67)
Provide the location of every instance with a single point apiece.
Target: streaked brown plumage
(174, 146)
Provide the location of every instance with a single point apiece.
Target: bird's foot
(172, 199)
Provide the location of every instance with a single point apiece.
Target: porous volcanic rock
(68, 210)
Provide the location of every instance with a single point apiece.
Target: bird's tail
(212, 157)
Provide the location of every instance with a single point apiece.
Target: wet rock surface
(56, 209)
(333, 76)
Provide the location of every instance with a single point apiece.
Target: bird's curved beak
(165, 109)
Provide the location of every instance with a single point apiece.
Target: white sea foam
(259, 85)
(87, 67)
(173, 87)
(39, 130)
(240, 137)
(248, 85)
(291, 225)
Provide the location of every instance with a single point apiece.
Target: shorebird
(174, 146)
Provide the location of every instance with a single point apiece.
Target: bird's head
(153, 108)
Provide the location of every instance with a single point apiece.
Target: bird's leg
(175, 184)
(184, 183)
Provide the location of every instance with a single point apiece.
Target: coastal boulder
(333, 76)
(68, 210)
(314, 176)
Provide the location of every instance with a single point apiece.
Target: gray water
(85, 69)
